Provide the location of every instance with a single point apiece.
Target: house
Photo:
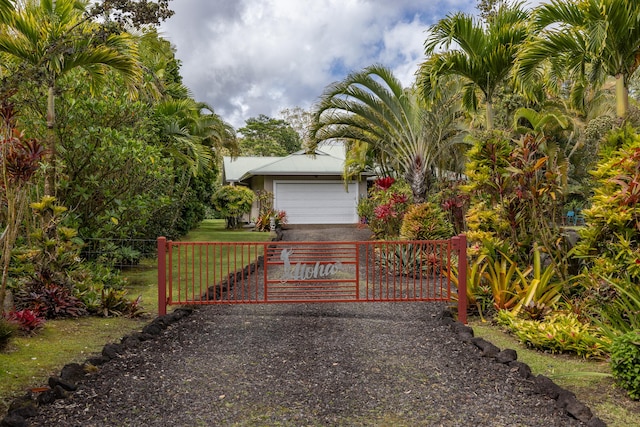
(309, 188)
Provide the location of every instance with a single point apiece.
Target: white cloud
(251, 57)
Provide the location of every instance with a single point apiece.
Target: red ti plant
(19, 161)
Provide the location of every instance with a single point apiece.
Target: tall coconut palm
(591, 38)
(383, 125)
(51, 38)
(481, 54)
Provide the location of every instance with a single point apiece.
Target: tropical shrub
(614, 306)
(385, 208)
(113, 302)
(455, 203)
(50, 301)
(425, 221)
(19, 161)
(267, 212)
(559, 332)
(515, 189)
(413, 260)
(625, 362)
(608, 246)
(27, 321)
(233, 201)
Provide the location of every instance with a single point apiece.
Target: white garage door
(317, 202)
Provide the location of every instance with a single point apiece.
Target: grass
(590, 380)
(29, 361)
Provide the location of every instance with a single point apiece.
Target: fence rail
(206, 273)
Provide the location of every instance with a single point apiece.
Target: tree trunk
(50, 175)
(622, 96)
(489, 115)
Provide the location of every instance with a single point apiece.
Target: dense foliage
(233, 201)
(625, 362)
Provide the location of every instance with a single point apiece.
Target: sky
(250, 57)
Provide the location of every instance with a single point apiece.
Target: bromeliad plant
(478, 292)
(561, 332)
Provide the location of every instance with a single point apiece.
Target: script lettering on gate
(307, 271)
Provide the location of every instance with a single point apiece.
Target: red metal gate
(205, 273)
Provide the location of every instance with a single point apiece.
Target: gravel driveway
(384, 364)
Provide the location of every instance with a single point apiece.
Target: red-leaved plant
(27, 321)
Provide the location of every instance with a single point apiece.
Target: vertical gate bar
(366, 271)
(200, 271)
(242, 246)
(170, 271)
(179, 276)
(357, 272)
(227, 276)
(235, 271)
(439, 255)
(265, 264)
(193, 272)
(162, 276)
(462, 278)
(446, 252)
(207, 276)
(216, 266)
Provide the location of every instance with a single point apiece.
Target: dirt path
(384, 364)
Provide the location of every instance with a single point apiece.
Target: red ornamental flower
(399, 198)
(383, 212)
(384, 183)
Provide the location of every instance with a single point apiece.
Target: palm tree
(591, 39)
(6, 7)
(52, 37)
(482, 55)
(385, 127)
(193, 136)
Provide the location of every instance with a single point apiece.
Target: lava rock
(152, 329)
(73, 372)
(65, 385)
(506, 356)
(111, 351)
(14, 420)
(488, 349)
(546, 387)
(565, 398)
(460, 328)
(579, 410)
(523, 369)
(129, 341)
(98, 360)
(24, 407)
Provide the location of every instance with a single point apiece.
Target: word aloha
(306, 271)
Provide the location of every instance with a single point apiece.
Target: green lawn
(29, 361)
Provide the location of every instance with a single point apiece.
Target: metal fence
(205, 273)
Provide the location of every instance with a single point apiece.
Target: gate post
(461, 242)
(162, 276)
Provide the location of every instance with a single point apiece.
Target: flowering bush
(27, 321)
(385, 207)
